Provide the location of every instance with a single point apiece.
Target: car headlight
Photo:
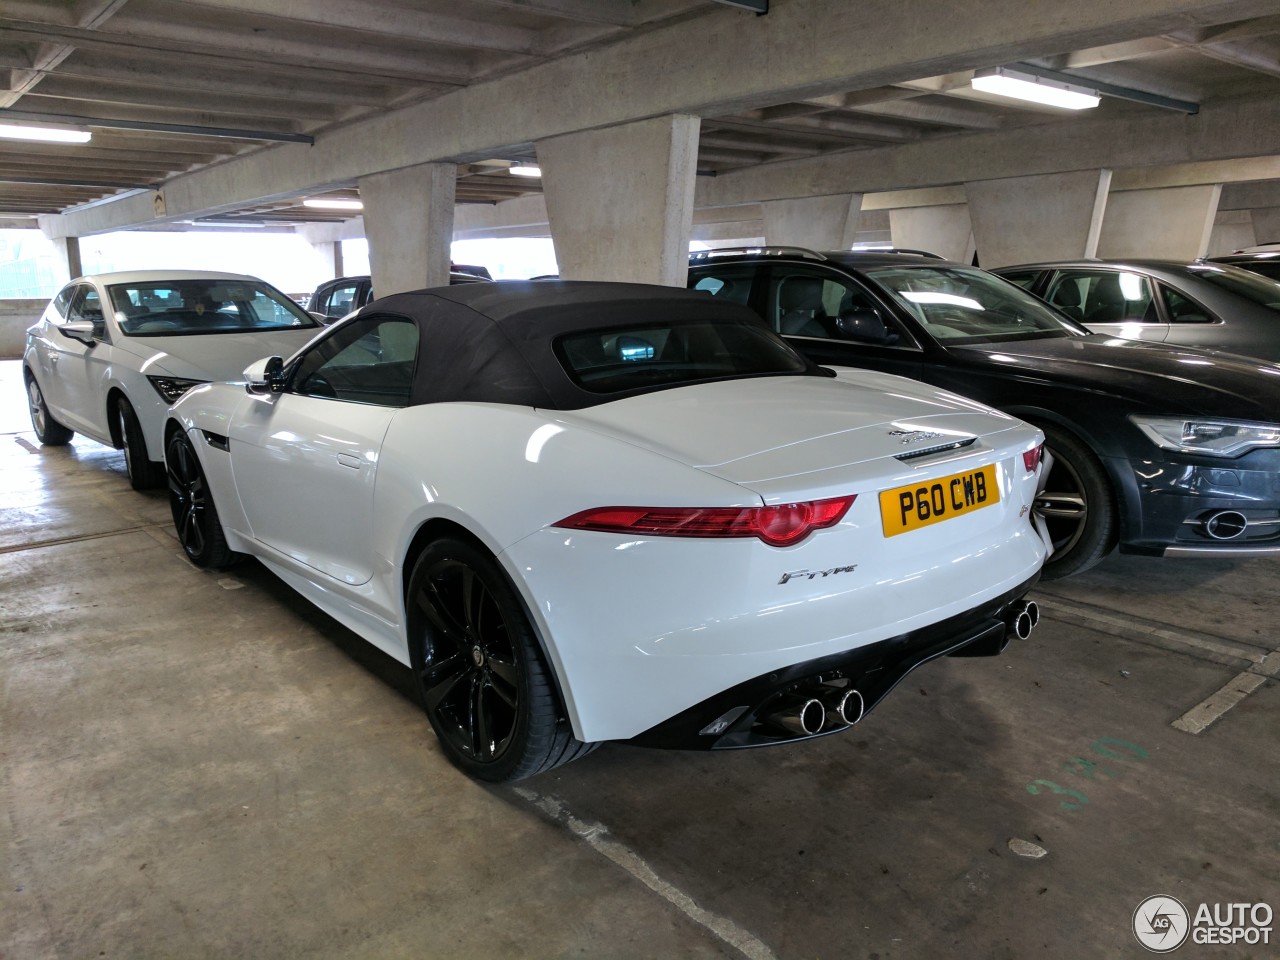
(1209, 437)
(171, 388)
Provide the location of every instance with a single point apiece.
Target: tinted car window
(186, 307)
(87, 308)
(726, 281)
(804, 302)
(369, 361)
(1103, 296)
(1023, 278)
(63, 300)
(340, 300)
(1182, 309)
(966, 305)
(1243, 283)
(629, 358)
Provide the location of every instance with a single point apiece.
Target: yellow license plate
(920, 504)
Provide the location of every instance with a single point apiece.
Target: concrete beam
(1224, 130)
(621, 200)
(1050, 217)
(820, 223)
(686, 67)
(409, 219)
(1173, 223)
(1238, 172)
(1250, 196)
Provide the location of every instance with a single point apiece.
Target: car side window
(62, 302)
(87, 307)
(805, 303)
(1182, 309)
(1103, 296)
(726, 281)
(1026, 279)
(340, 301)
(369, 361)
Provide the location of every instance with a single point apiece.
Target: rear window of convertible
(671, 354)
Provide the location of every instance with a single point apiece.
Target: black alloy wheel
(1077, 505)
(144, 473)
(48, 430)
(191, 503)
(478, 668)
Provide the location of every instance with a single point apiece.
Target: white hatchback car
(111, 353)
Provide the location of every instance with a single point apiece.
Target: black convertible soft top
(494, 342)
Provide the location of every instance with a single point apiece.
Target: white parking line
(1199, 717)
(597, 835)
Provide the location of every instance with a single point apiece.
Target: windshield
(963, 305)
(1243, 283)
(161, 308)
(671, 354)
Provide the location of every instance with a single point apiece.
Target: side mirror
(865, 325)
(265, 375)
(82, 330)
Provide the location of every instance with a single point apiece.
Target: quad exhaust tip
(799, 716)
(1022, 618)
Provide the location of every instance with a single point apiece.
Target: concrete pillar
(69, 266)
(1171, 223)
(1232, 231)
(620, 200)
(408, 218)
(944, 230)
(820, 223)
(1048, 217)
(331, 252)
(1266, 224)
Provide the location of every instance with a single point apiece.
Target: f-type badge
(911, 436)
(816, 574)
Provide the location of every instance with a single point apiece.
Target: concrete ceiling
(173, 87)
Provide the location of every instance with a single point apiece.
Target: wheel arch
(114, 396)
(436, 527)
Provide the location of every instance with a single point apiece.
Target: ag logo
(1161, 924)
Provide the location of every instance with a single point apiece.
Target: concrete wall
(15, 317)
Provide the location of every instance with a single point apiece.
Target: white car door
(79, 370)
(305, 461)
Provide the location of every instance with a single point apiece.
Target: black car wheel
(48, 430)
(478, 668)
(1077, 505)
(194, 515)
(144, 473)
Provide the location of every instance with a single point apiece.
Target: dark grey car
(1266, 263)
(1200, 304)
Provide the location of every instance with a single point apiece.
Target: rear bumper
(733, 719)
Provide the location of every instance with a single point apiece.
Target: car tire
(191, 502)
(1077, 504)
(144, 473)
(479, 670)
(48, 430)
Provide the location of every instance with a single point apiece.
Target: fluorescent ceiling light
(1006, 82)
(525, 170)
(321, 203)
(15, 131)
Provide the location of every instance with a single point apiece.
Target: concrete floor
(202, 765)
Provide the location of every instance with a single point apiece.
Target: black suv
(1161, 450)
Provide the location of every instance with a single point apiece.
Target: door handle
(347, 460)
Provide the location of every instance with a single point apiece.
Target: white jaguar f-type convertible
(595, 511)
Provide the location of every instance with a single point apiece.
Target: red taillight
(1031, 458)
(778, 526)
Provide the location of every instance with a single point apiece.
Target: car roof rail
(766, 251)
